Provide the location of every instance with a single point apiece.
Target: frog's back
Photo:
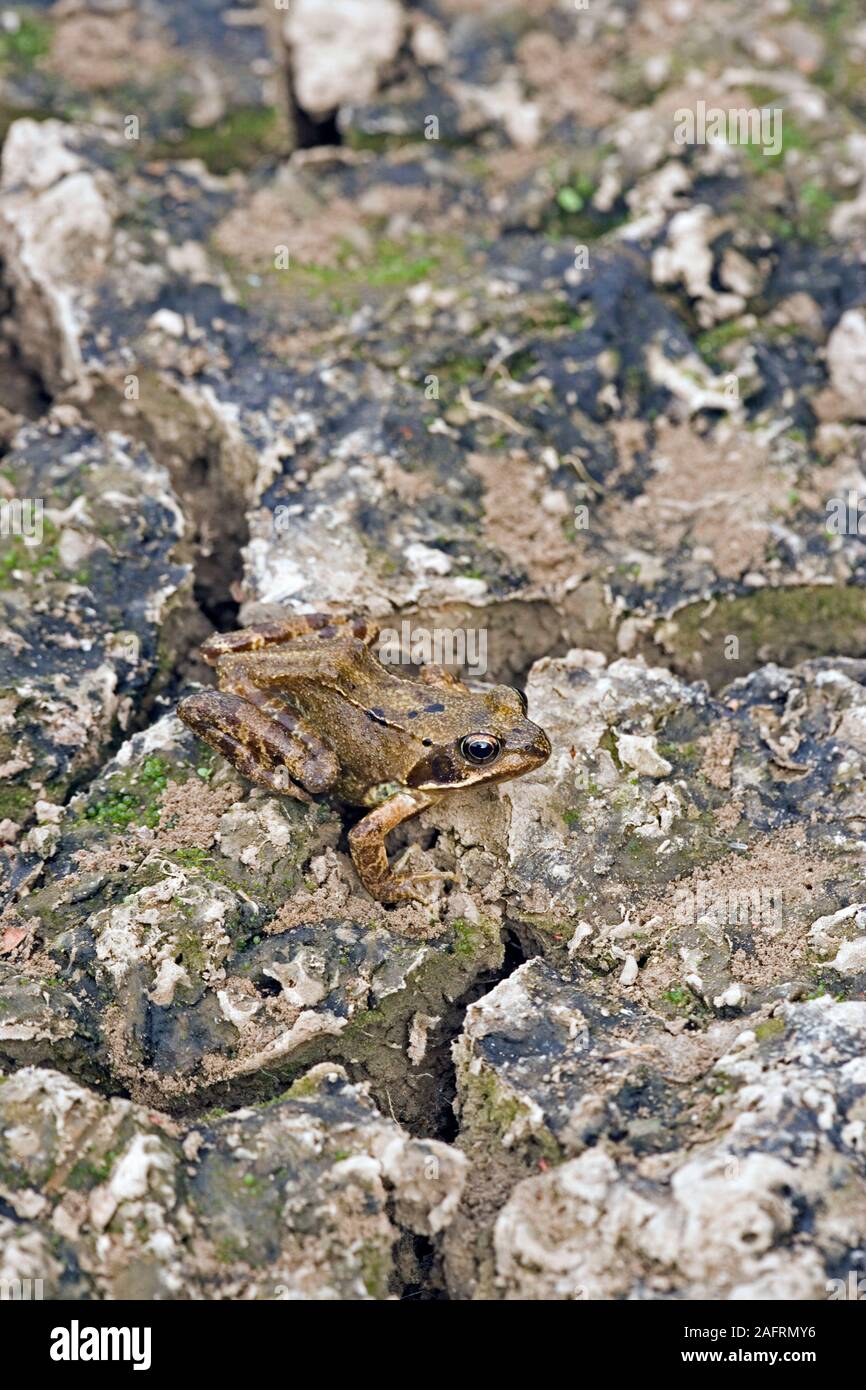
(343, 693)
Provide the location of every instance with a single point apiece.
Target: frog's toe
(318, 770)
(412, 888)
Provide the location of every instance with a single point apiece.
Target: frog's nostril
(540, 747)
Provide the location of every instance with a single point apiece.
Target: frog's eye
(523, 701)
(480, 749)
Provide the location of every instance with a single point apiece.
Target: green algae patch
(239, 141)
(22, 48)
(301, 1089)
(782, 625)
(711, 343)
(135, 801)
(17, 557)
(17, 801)
(349, 277)
(470, 939)
(772, 1028)
(391, 266)
(375, 1269)
(492, 1113)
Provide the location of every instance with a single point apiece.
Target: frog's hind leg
(234, 681)
(261, 635)
(291, 762)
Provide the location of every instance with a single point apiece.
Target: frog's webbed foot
(261, 635)
(285, 757)
(433, 674)
(367, 844)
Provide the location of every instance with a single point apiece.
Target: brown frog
(305, 708)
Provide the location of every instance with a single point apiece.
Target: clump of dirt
(333, 897)
(288, 213)
(516, 520)
(720, 495)
(252, 233)
(573, 80)
(748, 914)
(99, 52)
(719, 749)
(190, 813)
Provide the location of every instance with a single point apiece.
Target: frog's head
(493, 741)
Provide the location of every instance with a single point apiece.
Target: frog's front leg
(284, 758)
(367, 843)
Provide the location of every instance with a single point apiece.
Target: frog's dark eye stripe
(480, 749)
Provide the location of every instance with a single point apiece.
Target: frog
(304, 708)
